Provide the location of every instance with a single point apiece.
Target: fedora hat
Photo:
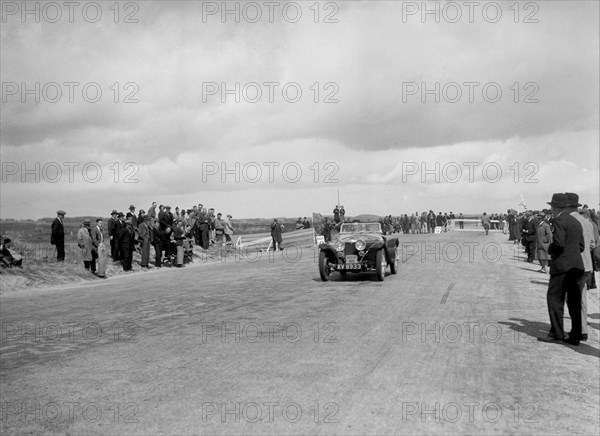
(573, 199)
(559, 200)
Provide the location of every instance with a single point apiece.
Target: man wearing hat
(586, 256)
(57, 236)
(145, 232)
(127, 238)
(543, 238)
(84, 240)
(565, 271)
(528, 233)
(112, 234)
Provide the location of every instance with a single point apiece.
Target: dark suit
(127, 239)
(528, 232)
(112, 233)
(119, 226)
(58, 238)
(565, 270)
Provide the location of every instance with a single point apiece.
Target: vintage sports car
(361, 247)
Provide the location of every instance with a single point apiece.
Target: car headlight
(339, 246)
(360, 245)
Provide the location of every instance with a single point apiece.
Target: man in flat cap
(57, 237)
(565, 271)
(528, 233)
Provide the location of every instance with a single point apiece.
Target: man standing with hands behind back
(565, 270)
(58, 235)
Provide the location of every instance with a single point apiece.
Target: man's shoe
(571, 341)
(584, 337)
(548, 339)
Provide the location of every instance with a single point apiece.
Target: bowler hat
(131, 207)
(120, 215)
(573, 199)
(114, 212)
(61, 212)
(559, 200)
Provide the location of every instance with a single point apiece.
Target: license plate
(350, 266)
(351, 259)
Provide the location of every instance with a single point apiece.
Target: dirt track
(447, 346)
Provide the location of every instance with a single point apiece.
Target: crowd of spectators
(172, 235)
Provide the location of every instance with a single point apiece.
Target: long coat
(276, 232)
(567, 244)
(58, 231)
(543, 240)
(84, 240)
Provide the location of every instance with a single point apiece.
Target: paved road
(447, 346)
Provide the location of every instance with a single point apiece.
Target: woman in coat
(543, 240)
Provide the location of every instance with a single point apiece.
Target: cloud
(372, 67)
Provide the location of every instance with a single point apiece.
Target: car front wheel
(394, 264)
(381, 265)
(323, 266)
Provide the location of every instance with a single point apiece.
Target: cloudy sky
(272, 108)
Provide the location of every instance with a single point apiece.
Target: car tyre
(380, 265)
(324, 270)
(394, 264)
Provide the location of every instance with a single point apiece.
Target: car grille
(350, 248)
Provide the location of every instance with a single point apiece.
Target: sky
(263, 109)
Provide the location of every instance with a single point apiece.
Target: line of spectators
(171, 235)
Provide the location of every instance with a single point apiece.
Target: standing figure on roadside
(127, 238)
(84, 241)
(485, 222)
(528, 234)
(57, 237)
(228, 230)
(100, 248)
(276, 235)
(543, 239)
(566, 269)
(336, 214)
(112, 234)
(145, 231)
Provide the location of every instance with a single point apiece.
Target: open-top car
(360, 247)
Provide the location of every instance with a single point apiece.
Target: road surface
(263, 346)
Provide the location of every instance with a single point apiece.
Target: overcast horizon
(341, 96)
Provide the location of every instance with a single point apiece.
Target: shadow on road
(537, 329)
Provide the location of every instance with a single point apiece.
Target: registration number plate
(352, 259)
(350, 266)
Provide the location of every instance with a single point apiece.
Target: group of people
(302, 223)
(8, 258)
(172, 235)
(570, 237)
(424, 222)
